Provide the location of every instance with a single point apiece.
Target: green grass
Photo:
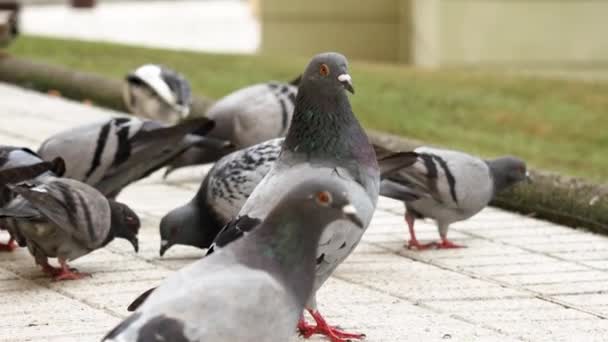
(555, 125)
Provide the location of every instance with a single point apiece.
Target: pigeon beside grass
(255, 288)
(156, 92)
(65, 219)
(112, 153)
(246, 117)
(449, 186)
(324, 141)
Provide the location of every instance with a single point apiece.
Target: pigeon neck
(291, 241)
(324, 126)
(499, 178)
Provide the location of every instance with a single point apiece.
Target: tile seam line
(535, 294)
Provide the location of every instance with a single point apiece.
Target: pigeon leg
(333, 333)
(447, 244)
(413, 242)
(47, 268)
(8, 247)
(67, 273)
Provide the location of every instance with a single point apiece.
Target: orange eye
(323, 198)
(324, 70)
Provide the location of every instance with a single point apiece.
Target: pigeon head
(328, 72)
(125, 223)
(507, 171)
(180, 226)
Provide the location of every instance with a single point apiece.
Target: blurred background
(488, 76)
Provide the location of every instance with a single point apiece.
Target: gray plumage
(225, 189)
(158, 93)
(324, 141)
(223, 192)
(246, 117)
(114, 152)
(450, 186)
(211, 300)
(66, 219)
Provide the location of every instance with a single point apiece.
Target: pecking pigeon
(324, 141)
(18, 164)
(158, 93)
(246, 117)
(449, 186)
(220, 197)
(225, 189)
(66, 219)
(255, 288)
(115, 152)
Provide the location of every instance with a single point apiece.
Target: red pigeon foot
(8, 247)
(334, 334)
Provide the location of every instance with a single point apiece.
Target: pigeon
(114, 152)
(66, 219)
(449, 186)
(221, 195)
(324, 141)
(225, 189)
(9, 13)
(275, 263)
(158, 93)
(18, 164)
(246, 117)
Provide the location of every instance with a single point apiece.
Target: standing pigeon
(66, 219)
(158, 93)
(324, 141)
(18, 164)
(115, 152)
(449, 186)
(246, 117)
(220, 197)
(225, 189)
(254, 289)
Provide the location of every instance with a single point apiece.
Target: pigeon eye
(324, 70)
(323, 198)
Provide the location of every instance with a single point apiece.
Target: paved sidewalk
(520, 279)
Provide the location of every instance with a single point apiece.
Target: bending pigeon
(449, 186)
(275, 263)
(158, 93)
(66, 219)
(225, 189)
(18, 164)
(220, 197)
(246, 117)
(115, 152)
(324, 141)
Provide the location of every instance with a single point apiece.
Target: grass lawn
(555, 125)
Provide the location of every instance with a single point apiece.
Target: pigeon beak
(164, 246)
(350, 213)
(529, 178)
(135, 243)
(347, 82)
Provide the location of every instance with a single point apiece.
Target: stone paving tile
(518, 279)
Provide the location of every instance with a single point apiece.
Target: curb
(564, 200)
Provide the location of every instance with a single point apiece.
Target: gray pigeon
(114, 152)
(254, 289)
(220, 197)
(66, 219)
(324, 141)
(246, 117)
(158, 93)
(18, 164)
(225, 189)
(449, 186)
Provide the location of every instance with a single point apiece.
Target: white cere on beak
(349, 209)
(163, 243)
(345, 78)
